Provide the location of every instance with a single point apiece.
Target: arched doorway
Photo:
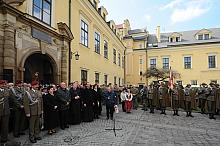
(44, 65)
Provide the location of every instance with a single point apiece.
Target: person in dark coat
(97, 101)
(75, 104)
(63, 97)
(87, 104)
(110, 101)
(51, 111)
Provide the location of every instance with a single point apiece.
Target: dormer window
(177, 39)
(171, 39)
(203, 34)
(200, 37)
(206, 36)
(94, 4)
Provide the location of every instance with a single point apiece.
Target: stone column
(64, 63)
(1, 52)
(9, 52)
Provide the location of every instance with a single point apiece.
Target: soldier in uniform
(151, 97)
(175, 100)
(4, 111)
(33, 106)
(135, 92)
(16, 95)
(202, 96)
(163, 95)
(144, 96)
(217, 99)
(188, 100)
(211, 100)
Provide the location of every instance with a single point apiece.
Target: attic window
(104, 16)
(200, 37)
(206, 36)
(177, 39)
(94, 4)
(171, 39)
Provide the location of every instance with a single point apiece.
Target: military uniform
(33, 105)
(188, 99)
(163, 96)
(211, 100)
(16, 95)
(175, 101)
(218, 99)
(4, 112)
(135, 92)
(202, 92)
(151, 97)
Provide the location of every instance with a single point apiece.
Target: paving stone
(138, 128)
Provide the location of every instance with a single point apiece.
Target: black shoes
(38, 138)
(32, 140)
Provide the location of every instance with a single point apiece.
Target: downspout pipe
(70, 54)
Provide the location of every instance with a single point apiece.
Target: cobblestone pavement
(138, 128)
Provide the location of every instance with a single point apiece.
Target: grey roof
(134, 31)
(139, 37)
(188, 37)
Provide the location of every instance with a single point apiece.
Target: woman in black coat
(51, 109)
(75, 104)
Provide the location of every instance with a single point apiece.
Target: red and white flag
(171, 80)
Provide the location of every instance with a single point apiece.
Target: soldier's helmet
(212, 84)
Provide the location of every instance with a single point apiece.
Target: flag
(171, 80)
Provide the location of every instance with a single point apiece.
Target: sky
(170, 15)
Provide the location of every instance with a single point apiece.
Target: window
(171, 39)
(193, 82)
(84, 33)
(179, 82)
(206, 36)
(119, 82)
(94, 4)
(105, 49)
(97, 43)
(200, 37)
(211, 60)
(141, 73)
(119, 59)
(106, 79)
(165, 63)
(83, 76)
(123, 62)
(141, 61)
(177, 39)
(96, 78)
(187, 62)
(153, 63)
(114, 56)
(115, 80)
(42, 10)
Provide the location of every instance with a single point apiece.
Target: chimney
(158, 33)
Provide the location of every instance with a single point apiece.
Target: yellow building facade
(98, 44)
(194, 54)
(55, 32)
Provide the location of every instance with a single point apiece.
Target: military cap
(18, 82)
(3, 82)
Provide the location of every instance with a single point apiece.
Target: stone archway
(44, 65)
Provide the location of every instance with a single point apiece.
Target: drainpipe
(69, 71)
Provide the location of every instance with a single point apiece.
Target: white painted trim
(184, 61)
(216, 60)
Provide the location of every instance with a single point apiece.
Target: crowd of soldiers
(36, 108)
(160, 96)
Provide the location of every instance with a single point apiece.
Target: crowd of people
(159, 96)
(53, 106)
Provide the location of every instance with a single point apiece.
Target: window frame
(114, 56)
(153, 65)
(215, 61)
(97, 75)
(42, 11)
(119, 59)
(186, 64)
(105, 49)
(84, 40)
(97, 42)
(106, 79)
(84, 75)
(166, 63)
